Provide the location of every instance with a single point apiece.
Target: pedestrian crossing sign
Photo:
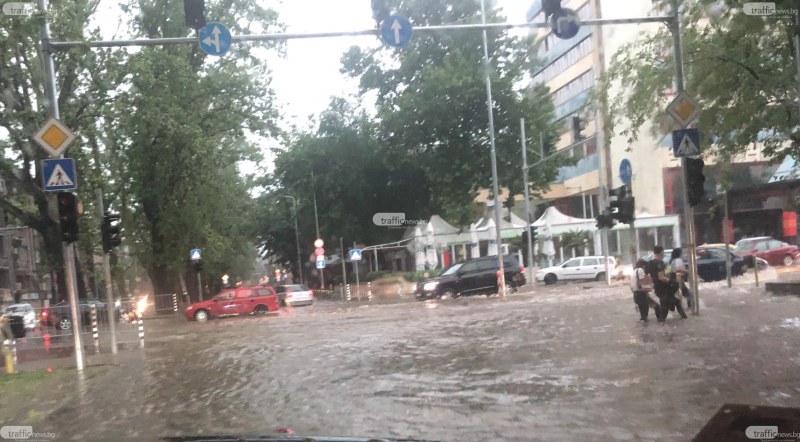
(58, 175)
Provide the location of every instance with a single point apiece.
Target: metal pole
(344, 268)
(69, 251)
(358, 287)
(375, 254)
(675, 27)
(726, 241)
(199, 286)
(501, 279)
(297, 240)
(316, 224)
(797, 54)
(527, 200)
(110, 307)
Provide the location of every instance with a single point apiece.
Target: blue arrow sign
(195, 255)
(355, 255)
(686, 142)
(59, 175)
(214, 39)
(396, 31)
(565, 23)
(320, 261)
(625, 171)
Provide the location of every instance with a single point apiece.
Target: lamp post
(296, 236)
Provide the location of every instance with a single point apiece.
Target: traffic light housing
(695, 181)
(195, 13)
(624, 207)
(111, 231)
(550, 7)
(605, 220)
(577, 129)
(381, 10)
(533, 233)
(68, 214)
(198, 265)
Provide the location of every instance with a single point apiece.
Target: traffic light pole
(107, 271)
(69, 251)
(675, 28)
(531, 280)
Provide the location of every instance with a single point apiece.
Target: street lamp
(296, 236)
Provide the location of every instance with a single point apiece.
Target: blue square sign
(59, 175)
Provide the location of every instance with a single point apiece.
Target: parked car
(582, 267)
(472, 277)
(60, 317)
(711, 263)
(233, 302)
(294, 294)
(24, 311)
(771, 250)
(748, 260)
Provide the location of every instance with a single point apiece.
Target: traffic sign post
(565, 23)
(683, 109)
(214, 39)
(194, 255)
(59, 175)
(686, 143)
(54, 137)
(396, 31)
(625, 171)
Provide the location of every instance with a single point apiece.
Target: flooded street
(570, 363)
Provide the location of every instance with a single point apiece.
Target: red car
(238, 301)
(769, 249)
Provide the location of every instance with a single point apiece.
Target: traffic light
(68, 214)
(533, 234)
(695, 181)
(577, 129)
(381, 10)
(198, 265)
(111, 231)
(195, 13)
(624, 207)
(550, 7)
(605, 220)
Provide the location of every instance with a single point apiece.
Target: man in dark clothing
(662, 285)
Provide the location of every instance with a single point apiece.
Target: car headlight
(430, 286)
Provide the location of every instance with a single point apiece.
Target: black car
(60, 317)
(711, 264)
(473, 277)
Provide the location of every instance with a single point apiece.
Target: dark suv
(473, 277)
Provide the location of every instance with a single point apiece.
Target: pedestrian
(681, 272)
(661, 284)
(642, 287)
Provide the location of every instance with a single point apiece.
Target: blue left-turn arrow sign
(214, 39)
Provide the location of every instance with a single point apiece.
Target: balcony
(570, 106)
(585, 165)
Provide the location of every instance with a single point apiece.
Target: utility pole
(675, 27)
(357, 286)
(344, 270)
(316, 224)
(69, 251)
(297, 234)
(107, 272)
(501, 278)
(527, 200)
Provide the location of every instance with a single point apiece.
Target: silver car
(294, 294)
(24, 311)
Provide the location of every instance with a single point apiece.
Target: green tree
(432, 105)
(739, 67)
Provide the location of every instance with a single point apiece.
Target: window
(775, 244)
(573, 88)
(469, 267)
(575, 262)
(281, 289)
(717, 253)
(263, 292)
(703, 254)
(487, 264)
(590, 261)
(452, 269)
(564, 62)
(762, 246)
(226, 296)
(244, 294)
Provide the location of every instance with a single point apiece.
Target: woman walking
(642, 287)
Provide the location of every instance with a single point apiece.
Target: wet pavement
(571, 362)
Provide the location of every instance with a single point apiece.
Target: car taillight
(522, 269)
(44, 313)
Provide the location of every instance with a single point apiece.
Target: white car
(582, 267)
(24, 311)
(294, 294)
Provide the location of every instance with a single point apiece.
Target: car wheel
(449, 294)
(260, 310)
(64, 324)
(550, 279)
(788, 260)
(600, 276)
(201, 316)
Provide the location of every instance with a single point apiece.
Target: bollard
(14, 351)
(369, 290)
(141, 332)
(348, 293)
(175, 303)
(8, 356)
(94, 329)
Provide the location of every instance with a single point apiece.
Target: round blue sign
(625, 171)
(396, 31)
(565, 23)
(214, 39)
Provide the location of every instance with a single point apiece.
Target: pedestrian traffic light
(68, 213)
(533, 233)
(695, 181)
(623, 208)
(577, 129)
(198, 265)
(381, 10)
(195, 13)
(550, 7)
(605, 220)
(111, 231)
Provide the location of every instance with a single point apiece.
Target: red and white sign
(319, 251)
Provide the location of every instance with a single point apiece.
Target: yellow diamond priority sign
(684, 109)
(54, 137)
